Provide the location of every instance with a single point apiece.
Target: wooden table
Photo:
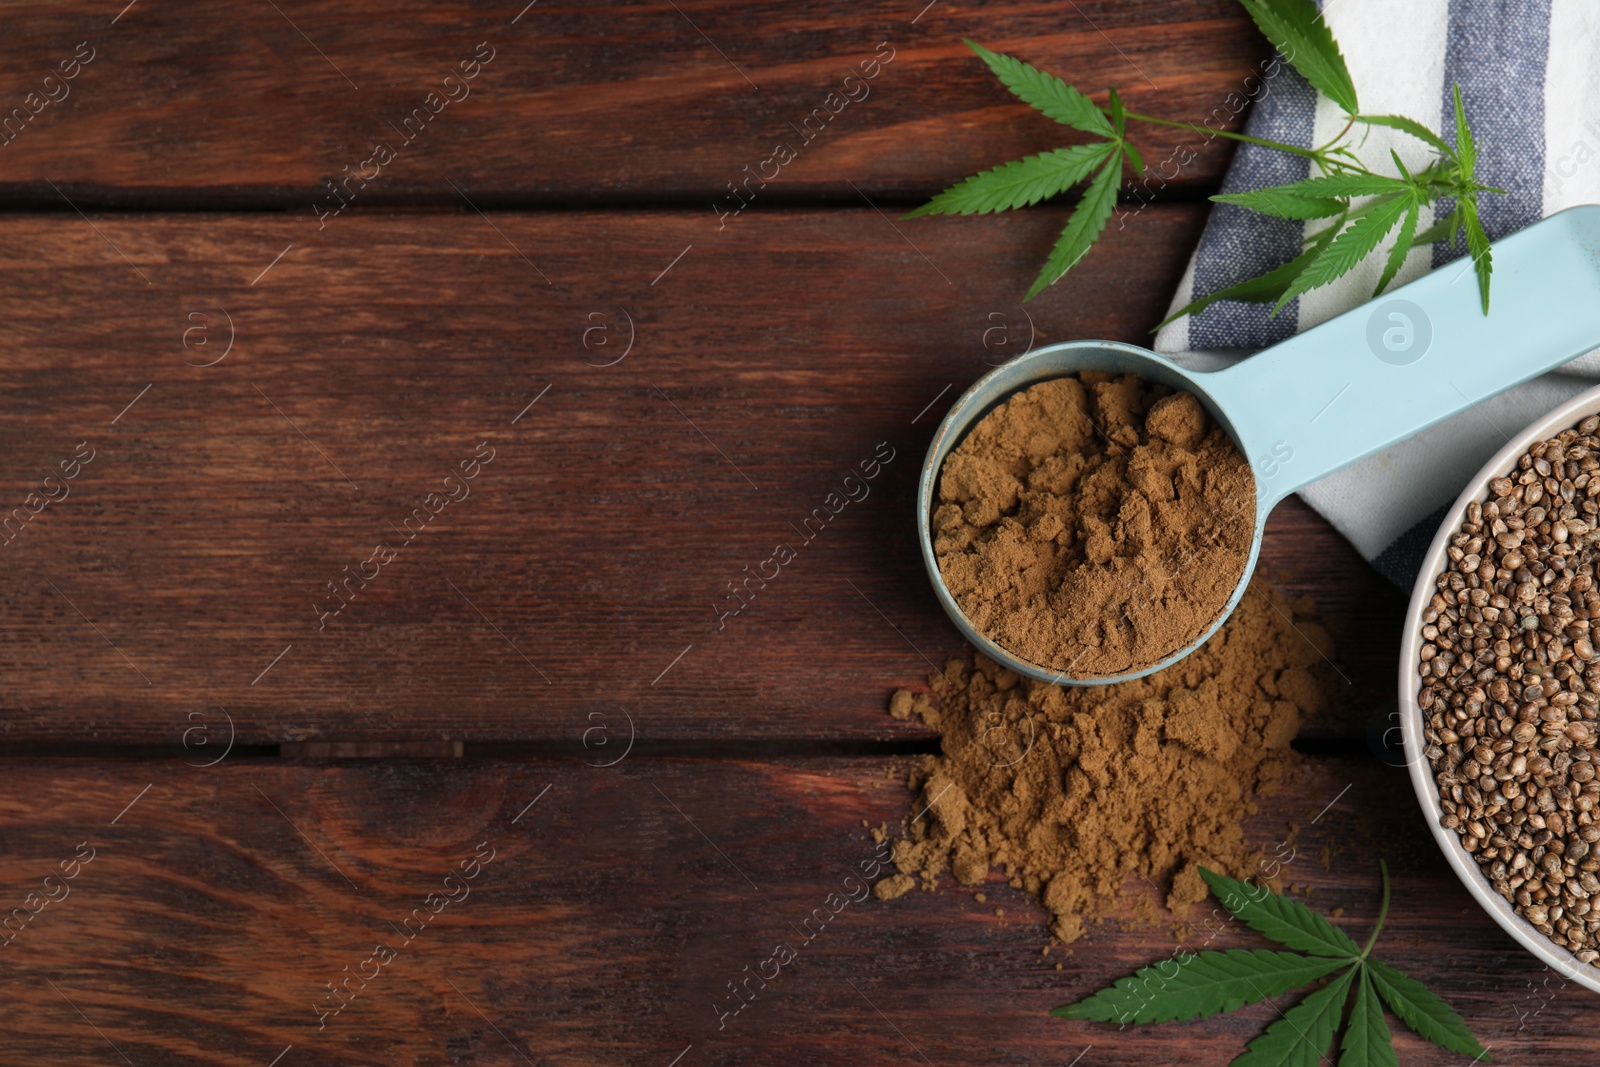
(285, 298)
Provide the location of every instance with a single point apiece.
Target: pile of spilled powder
(1094, 524)
(1072, 791)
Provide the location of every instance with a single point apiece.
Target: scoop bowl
(999, 385)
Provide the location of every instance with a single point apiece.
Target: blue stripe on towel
(1239, 244)
(1401, 561)
(1496, 52)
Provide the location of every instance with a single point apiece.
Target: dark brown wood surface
(248, 399)
(617, 908)
(580, 103)
(584, 571)
(767, 363)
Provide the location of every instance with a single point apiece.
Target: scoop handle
(1416, 355)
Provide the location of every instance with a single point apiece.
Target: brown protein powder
(1510, 687)
(1075, 790)
(1094, 524)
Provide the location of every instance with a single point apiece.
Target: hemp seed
(1510, 687)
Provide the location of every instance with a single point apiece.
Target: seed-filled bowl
(1501, 721)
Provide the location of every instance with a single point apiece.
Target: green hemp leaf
(1194, 985)
(1363, 208)
(1297, 31)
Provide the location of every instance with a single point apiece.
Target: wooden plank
(190, 563)
(615, 911)
(579, 103)
(1362, 612)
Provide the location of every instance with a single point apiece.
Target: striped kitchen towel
(1529, 72)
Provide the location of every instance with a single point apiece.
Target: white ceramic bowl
(1411, 720)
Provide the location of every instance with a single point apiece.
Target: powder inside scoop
(1094, 524)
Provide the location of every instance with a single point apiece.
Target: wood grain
(185, 575)
(581, 103)
(615, 911)
(209, 417)
(1362, 612)
(188, 567)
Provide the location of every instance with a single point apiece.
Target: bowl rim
(1420, 769)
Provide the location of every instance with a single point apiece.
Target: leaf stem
(1383, 912)
(1309, 153)
(1338, 136)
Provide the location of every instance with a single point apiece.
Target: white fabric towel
(1529, 73)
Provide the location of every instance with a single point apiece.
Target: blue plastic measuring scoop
(1338, 392)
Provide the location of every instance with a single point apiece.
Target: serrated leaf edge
(976, 183)
(1317, 1013)
(1084, 226)
(1392, 994)
(1317, 930)
(1114, 1003)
